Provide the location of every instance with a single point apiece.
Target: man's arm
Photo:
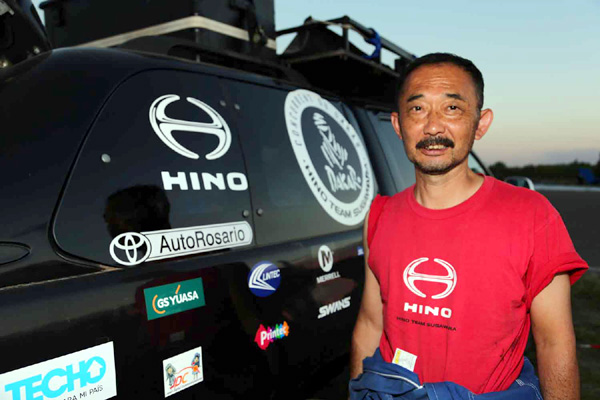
(369, 324)
(554, 336)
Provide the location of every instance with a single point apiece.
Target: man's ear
(485, 120)
(396, 124)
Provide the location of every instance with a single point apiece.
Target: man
(460, 266)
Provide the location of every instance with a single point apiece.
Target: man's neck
(448, 190)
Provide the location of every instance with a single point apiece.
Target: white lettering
(410, 307)
(432, 310)
(343, 181)
(169, 181)
(427, 310)
(328, 277)
(195, 180)
(334, 307)
(237, 181)
(209, 180)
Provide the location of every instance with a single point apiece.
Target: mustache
(435, 141)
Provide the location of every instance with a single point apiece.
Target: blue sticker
(264, 279)
(360, 251)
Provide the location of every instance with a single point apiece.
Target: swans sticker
(164, 126)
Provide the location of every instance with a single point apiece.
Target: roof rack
(332, 62)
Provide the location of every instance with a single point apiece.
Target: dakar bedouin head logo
(331, 156)
(164, 126)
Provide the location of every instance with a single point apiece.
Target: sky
(540, 60)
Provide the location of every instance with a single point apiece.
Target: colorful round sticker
(264, 279)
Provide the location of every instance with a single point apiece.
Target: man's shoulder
(395, 199)
(519, 198)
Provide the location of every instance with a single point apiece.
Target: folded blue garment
(381, 380)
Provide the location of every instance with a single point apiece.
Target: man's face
(438, 117)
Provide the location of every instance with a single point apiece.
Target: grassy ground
(586, 317)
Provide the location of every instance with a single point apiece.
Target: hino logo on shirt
(449, 280)
(334, 307)
(132, 248)
(410, 276)
(164, 127)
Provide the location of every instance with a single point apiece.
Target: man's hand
(369, 324)
(554, 336)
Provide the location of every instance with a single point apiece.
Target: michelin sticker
(331, 155)
(264, 279)
(87, 374)
(165, 300)
(132, 248)
(182, 371)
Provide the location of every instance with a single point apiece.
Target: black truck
(181, 209)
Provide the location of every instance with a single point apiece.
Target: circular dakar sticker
(331, 155)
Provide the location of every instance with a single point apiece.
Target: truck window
(308, 168)
(161, 175)
(402, 169)
(475, 165)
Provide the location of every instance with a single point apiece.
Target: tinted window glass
(306, 174)
(402, 169)
(475, 165)
(161, 158)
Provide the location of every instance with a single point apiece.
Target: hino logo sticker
(264, 279)
(87, 374)
(165, 300)
(449, 280)
(334, 307)
(132, 248)
(164, 126)
(331, 156)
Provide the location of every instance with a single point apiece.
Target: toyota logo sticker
(164, 126)
(133, 248)
(130, 248)
(410, 277)
(331, 155)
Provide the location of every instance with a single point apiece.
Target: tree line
(546, 173)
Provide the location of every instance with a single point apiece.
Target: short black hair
(443, 58)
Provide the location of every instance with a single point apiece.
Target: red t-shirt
(457, 284)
